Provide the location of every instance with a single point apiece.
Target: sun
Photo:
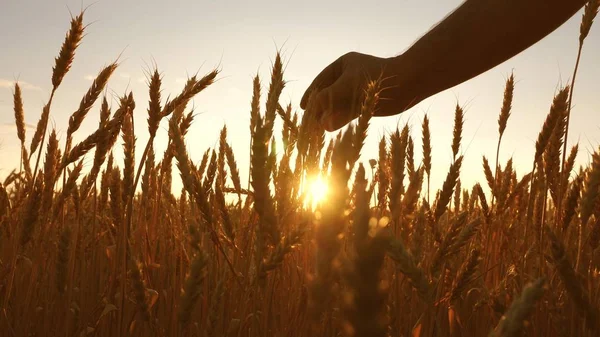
(317, 191)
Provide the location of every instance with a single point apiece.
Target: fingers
(325, 79)
(335, 105)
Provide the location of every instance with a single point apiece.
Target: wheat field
(109, 248)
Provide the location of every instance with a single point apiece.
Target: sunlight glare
(317, 191)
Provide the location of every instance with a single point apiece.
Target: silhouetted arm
(477, 36)
(480, 35)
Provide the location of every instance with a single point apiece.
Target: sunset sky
(242, 37)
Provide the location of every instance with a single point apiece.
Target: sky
(185, 37)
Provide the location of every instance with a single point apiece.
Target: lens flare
(316, 191)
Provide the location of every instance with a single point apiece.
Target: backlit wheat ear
(556, 112)
(521, 308)
(192, 288)
(571, 202)
(154, 104)
(502, 121)
(116, 198)
(458, 128)
(210, 172)
(147, 176)
(50, 172)
(62, 66)
(464, 236)
(104, 145)
(26, 164)
(186, 122)
(225, 218)
(233, 168)
(67, 190)
(103, 135)
(90, 98)
(203, 163)
(419, 233)
(263, 202)
(104, 112)
(281, 250)
(413, 191)
(67, 51)
(489, 176)
(275, 89)
(569, 164)
(457, 191)
(327, 157)
(448, 188)
(221, 171)
(255, 104)
(190, 180)
(589, 13)
(191, 89)
(4, 199)
(360, 225)
(19, 114)
(506, 105)
(410, 156)
(466, 199)
(449, 240)
(105, 183)
(39, 130)
(465, 275)
(129, 158)
(31, 212)
(427, 152)
(518, 190)
(382, 174)
(398, 160)
(369, 104)
(288, 128)
(504, 183)
(552, 154)
(592, 189)
(406, 264)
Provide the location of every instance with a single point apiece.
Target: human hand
(336, 94)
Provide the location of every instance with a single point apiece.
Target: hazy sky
(185, 37)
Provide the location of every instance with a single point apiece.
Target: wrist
(410, 79)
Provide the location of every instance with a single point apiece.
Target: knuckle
(350, 54)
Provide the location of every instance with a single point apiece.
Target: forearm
(482, 34)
